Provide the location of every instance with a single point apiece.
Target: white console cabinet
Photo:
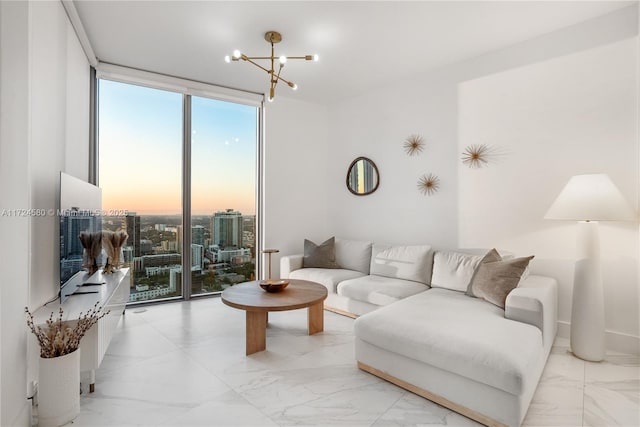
(111, 291)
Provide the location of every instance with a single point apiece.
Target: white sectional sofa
(417, 327)
(370, 276)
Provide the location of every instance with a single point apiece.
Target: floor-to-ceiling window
(142, 171)
(223, 193)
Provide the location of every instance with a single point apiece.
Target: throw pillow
(454, 270)
(495, 278)
(353, 254)
(320, 256)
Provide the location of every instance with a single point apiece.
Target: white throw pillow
(353, 255)
(453, 270)
(402, 262)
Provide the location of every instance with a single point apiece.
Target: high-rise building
(197, 235)
(197, 256)
(71, 227)
(131, 223)
(227, 228)
(248, 231)
(249, 223)
(179, 238)
(127, 254)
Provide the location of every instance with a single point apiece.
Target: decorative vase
(59, 389)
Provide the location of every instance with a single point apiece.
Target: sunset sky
(140, 144)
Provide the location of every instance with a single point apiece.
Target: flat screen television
(79, 212)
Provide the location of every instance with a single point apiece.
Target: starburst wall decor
(476, 155)
(414, 144)
(428, 184)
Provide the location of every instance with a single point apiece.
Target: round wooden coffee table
(249, 296)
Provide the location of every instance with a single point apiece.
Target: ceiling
(362, 44)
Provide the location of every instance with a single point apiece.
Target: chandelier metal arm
(253, 57)
(276, 77)
(305, 57)
(257, 65)
(291, 84)
(272, 37)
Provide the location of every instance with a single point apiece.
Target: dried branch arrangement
(428, 184)
(92, 244)
(414, 144)
(58, 338)
(112, 242)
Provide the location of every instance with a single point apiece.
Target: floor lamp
(589, 199)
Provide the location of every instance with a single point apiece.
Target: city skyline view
(140, 136)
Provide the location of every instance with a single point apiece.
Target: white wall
(45, 129)
(555, 119)
(375, 125)
(295, 176)
(59, 132)
(638, 142)
(14, 176)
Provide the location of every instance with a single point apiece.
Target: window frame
(187, 88)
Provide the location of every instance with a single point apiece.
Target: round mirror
(362, 177)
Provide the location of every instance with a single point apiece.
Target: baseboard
(340, 311)
(469, 413)
(616, 341)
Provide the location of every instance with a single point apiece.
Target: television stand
(112, 296)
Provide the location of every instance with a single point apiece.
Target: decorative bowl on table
(274, 285)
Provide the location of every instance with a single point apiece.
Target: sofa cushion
(329, 277)
(459, 334)
(402, 262)
(379, 290)
(320, 256)
(354, 255)
(453, 270)
(495, 277)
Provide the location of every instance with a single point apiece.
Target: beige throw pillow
(495, 278)
(320, 256)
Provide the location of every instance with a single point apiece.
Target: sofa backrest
(353, 254)
(454, 270)
(402, 262)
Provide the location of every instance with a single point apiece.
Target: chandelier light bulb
(316, 58)
(272, 68)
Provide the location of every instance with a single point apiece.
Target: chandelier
(272, 37)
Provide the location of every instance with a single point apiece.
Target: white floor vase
(59, 390)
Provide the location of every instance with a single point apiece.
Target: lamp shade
(592, 197)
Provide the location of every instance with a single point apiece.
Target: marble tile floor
(183, 364)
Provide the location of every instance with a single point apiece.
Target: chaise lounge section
(417, 327)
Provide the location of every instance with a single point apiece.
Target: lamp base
(587, 310)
